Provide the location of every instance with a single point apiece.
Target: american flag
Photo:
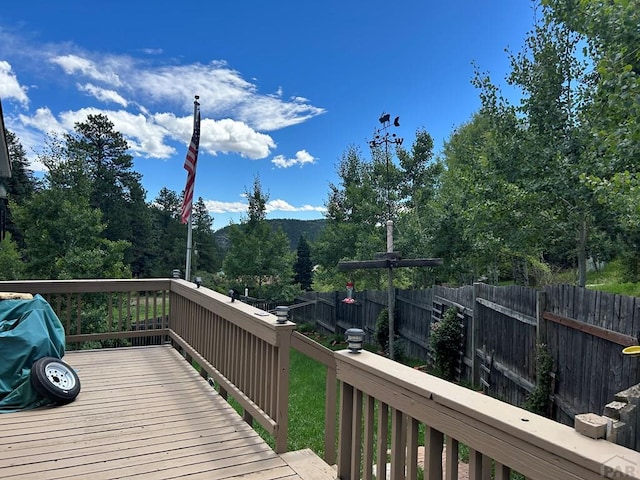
(190, 166)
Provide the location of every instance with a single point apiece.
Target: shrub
(382, 335)
(445, 341)
(382, 329)
(538, 400)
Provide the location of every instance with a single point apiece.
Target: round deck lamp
(281, 315)
(355, 339)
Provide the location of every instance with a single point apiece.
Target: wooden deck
(143, 413)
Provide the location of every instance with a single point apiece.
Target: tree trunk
(583, 235)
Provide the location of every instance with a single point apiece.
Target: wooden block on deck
(308, 465)
(591, 425)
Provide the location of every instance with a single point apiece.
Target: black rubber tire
(54, 379)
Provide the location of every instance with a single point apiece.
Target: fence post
(475, 334)
(541, 327)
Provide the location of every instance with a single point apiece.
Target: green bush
(538, 400)
(382, 335)
(445, 341)
(382, 329)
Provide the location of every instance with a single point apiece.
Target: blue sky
(285, 87)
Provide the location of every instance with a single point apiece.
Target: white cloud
(214, 206)
(43, 120)
(220, 88)
(9, 85)
(74, 64)
(145, 138)
(269, 113)
(103, 94)
(219, 135)
(222, 91)
(284, 206)
(302, 158)
(236, 116)
(152, 51)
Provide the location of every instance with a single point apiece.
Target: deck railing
(107, 311)
(240, 348)
(386, 411)
(243, 349)
(385, 403)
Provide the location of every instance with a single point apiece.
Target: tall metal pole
(187, 268)
(388, 259)
(383, 137)
(391, 293)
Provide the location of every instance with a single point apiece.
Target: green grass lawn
(611, 279)
(306, 406)
(307, 383)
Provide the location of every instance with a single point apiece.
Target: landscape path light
(281, 315)
(355, 339)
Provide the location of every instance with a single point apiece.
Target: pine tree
(303, 268)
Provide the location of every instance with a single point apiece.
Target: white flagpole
(187, 269)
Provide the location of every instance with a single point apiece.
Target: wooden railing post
(330, 416)
(345, 448)
(283, 343)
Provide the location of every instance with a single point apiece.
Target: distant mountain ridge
(293, 229)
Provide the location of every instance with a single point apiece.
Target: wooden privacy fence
(583, 330)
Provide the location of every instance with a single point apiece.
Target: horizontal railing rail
(383, 402)
(112, 312)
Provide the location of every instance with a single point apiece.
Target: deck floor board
(143, 412)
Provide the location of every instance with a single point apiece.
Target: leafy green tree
(64, 238)
(11, 264)
(20, 185)
(553, 82)
(303, 267)
(610, 31)
(611, 34)
(418, 184)
(63, 234)
(538, 167)
(369, 194)
(115, 188)
(170, 236)
(259, 258)
(356, 215)
(208, 257)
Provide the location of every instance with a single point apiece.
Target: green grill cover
(29, 330)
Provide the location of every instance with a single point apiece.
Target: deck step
(308, 465)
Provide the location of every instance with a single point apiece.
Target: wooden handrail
(513, 438)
